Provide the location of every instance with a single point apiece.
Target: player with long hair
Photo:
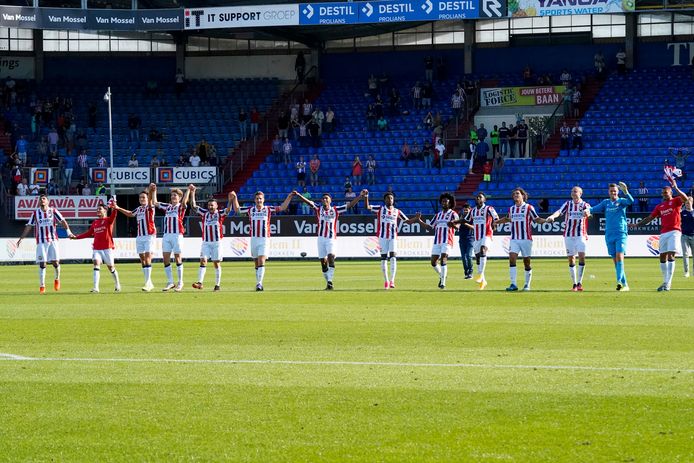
(443, 223)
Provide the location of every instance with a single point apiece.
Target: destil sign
(183, 175)
(328, 13)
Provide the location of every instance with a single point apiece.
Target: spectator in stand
(497, 166)
(314, 133)
(100, 189)
(301, 172)
(428, 121)
(181, 161)
(300, 67)
(357, 170)
(101, 161)
(427, 94)
(287, 152)
(472, 149)
(564, 132)
(303, 134)
(680, 156)
(348, 183)
(154, 163)
(567, 97)
(565, 77)
(318, 118)
(487, 173)
(394, 101)
(23, 188)
(378, 106)
(21, 149)
(371, 170)
(415, 151)
(522, 135)
(83, 163)
(429, 68)
(306, 110)
(382, 123)
(329, 120)
(277, 149)
(504, 134)
(86, 191)
(372, 86)
(314, 165)
(577, 133)
(243, 124)
(283, 125)
(155, 135)
(305, 208)
(405, 153)
(52, 189)
(133, 161)
(427, 154)
(416, 93)
(53, 140)
(203, 150)
(53, 160)
(134, 124)
(621, 58)
(481, 152)
(527, 75)
(599, 63)
(255, 121)
(474, 138)
(295, 126)
(371, 118)
(576, 102)
(439, 154)
(194, 160)
(482, 133)
(457, 101)
(33, 189)
(494, 139)
(80, 187)
(69, 166)
(180, 80)
(349, 196)
(642, 197)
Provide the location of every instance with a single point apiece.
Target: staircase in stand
(589, 91)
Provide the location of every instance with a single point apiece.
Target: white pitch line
(19, 358)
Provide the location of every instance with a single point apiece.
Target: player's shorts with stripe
(144, 243)
(325, 246)
(103, 256)
(47, 252)
(669, 242)
(210, 251)
(477, 244)
(388, 245)
(258, 247)
(616, 243)
(172, 242)
(574, 245)
(438, 249)
(521, 247)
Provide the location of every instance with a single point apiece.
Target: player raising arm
(146, 234)
(44, 220)
(670, 230)
(615, 209)
(212, 222)
(259, 216)
(327, 216)
(520, 215)
(575, 234)
(387, 217)
(444, 231)
(102, 248)
(172, 240)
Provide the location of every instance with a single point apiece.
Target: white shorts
(575, 245)
(388, 245)
(258, 247)
(439, 249)
(104, 256)
(172, 242)
(521, 247)
(143, 244)
(669, 242)
(47, 252)
(210, 251)
(477, 244)
(325, 246)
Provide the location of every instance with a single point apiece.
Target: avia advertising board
(71, 207)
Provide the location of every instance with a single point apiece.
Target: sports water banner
(522, 96)
(71, 207)
(305, 247)
(120, 175)
(525, 8)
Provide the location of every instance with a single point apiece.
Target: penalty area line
(489, 366)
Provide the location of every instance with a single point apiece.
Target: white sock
(148, 273)
(581, 270)
(259, 275)
(572, 273)
(671, 272)
(201, 273)
(384, 269)
(97, 275)
(444, 273)
(664, 271)
(169, 274)
(179, 272)
(114, 274)
(218, 275)
(56, 271)
(331, 273)
(437, 269)
(513, 272)
(326, 275)
(393, 267)
(42, 276)
(528, 277)
(483, 264)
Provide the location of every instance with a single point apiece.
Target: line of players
(481, 220)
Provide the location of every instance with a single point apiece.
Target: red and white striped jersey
(145, 220)
(481, 218)
(575, 222)
(387, 221)
(521, 221)
(44, 223)
(173, 218)
(212, 225)
(443, 234)
(327, 219)
(260, 219)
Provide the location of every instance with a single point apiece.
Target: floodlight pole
(110, 140)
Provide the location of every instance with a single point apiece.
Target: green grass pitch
(299, 374)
